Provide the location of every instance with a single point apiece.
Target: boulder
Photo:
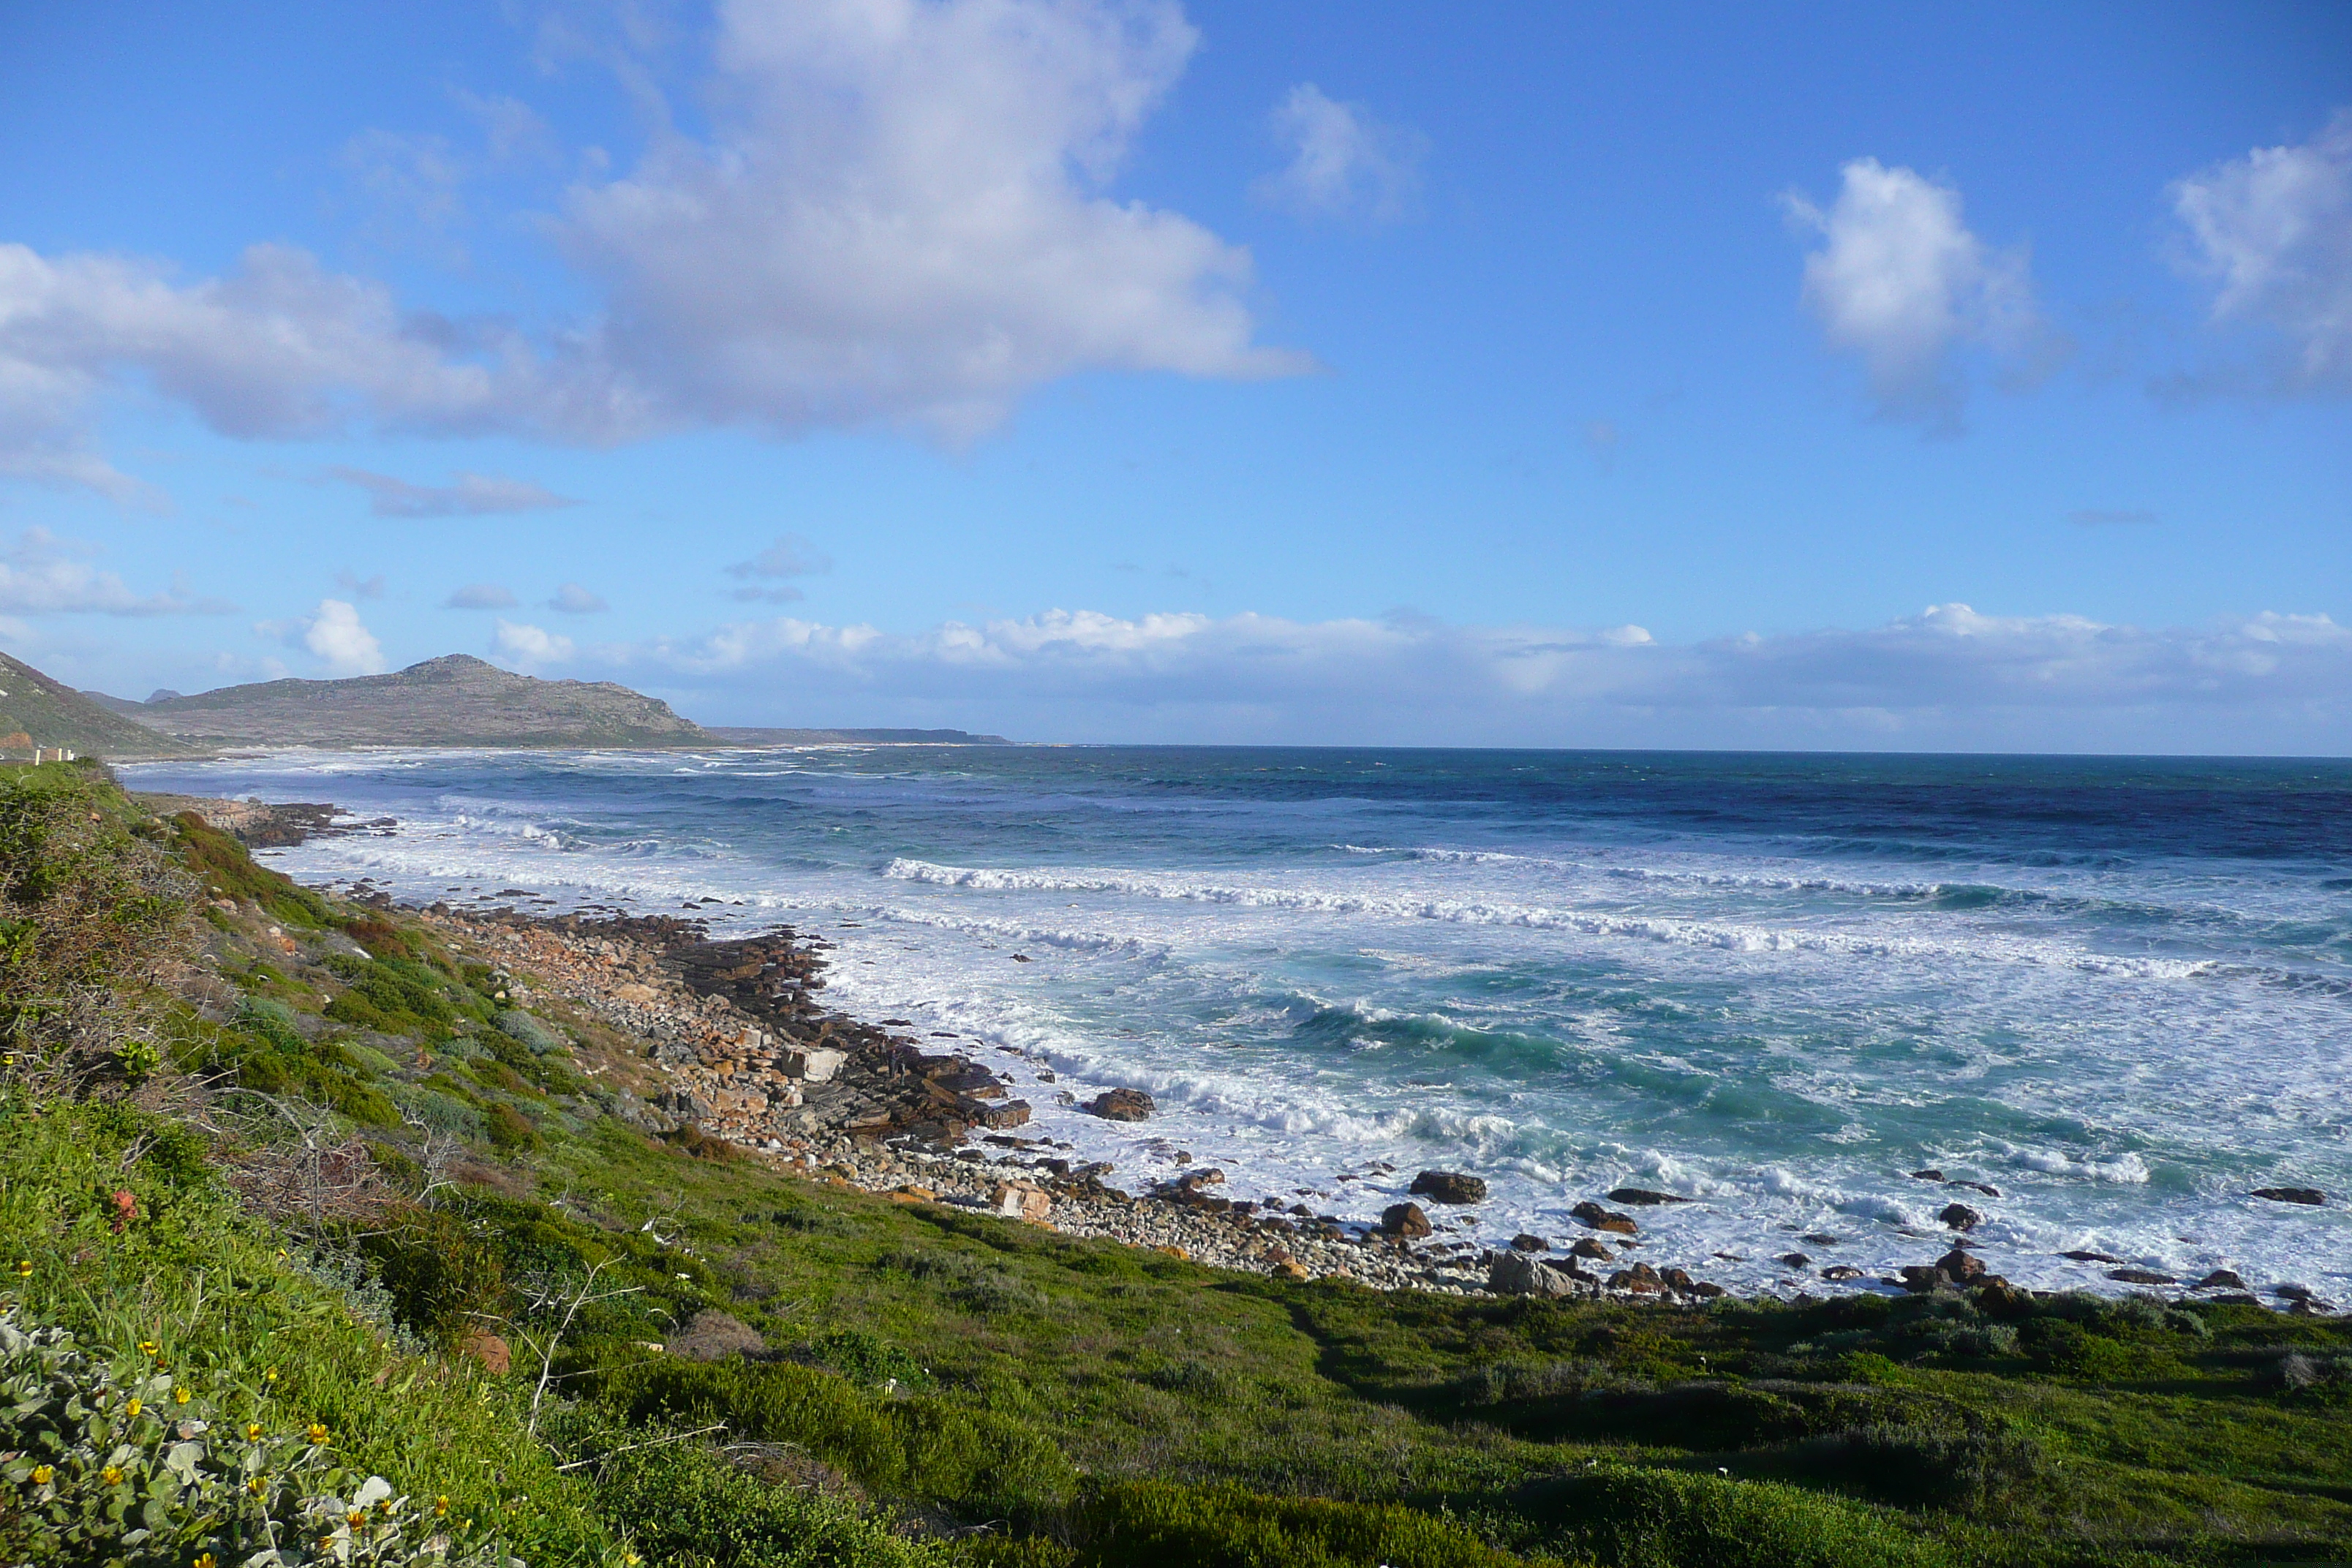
(1121, 1105)
(1643, 1197)
(1930, 1175)
(1404, 1220)
(814, 1064)
(1794, 1260)
(2141, 1277)
(2221, 1279)
(2083, 1256)
(1448, 1187)
(1290, 1269)
(1599, 1218)
(1959, 1216)
(1518, 1274)
(1020, 1200)
(1524, 1242)
(1920, 1277)
(1641, 1280)
(2312, 1196)
(1959, 1268)
(1840, 1272)
(1588, 1247)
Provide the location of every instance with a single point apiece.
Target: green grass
(942, 1385)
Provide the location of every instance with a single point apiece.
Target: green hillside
(55, 714)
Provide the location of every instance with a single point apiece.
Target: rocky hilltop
(455, 701)
(35, 710)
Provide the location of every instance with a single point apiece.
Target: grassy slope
(1098, 1404)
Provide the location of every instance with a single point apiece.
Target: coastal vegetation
(392, 1223)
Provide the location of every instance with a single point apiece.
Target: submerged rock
(2311, 1195)
(1959, 1216)
(1643, 1197)
(1599, 1218)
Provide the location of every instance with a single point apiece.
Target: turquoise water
(2117, 990)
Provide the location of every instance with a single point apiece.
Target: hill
(755, 735)
(51, 713)
(454, 700)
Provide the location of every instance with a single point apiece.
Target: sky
(1342, 372)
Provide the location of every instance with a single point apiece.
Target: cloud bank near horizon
(1948, 678)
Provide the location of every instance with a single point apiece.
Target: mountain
(748, 735)
(455, 700)
(50, 713)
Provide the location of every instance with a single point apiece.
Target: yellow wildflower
(356, 1518)
(134, 1408)
(205, 1560)
(41, 1474)
(255, 1485)
(269, 1377)
(111, 1475)
(179, 1396)
(441, 1507)
(315, 1432)
(24, 1268)
(253, 1431)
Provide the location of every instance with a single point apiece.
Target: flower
(111, 1475)
(269, 1377)
(356, 1518)
(134, 1408)
(147, 1347)
(24, 1268)
(255, 1485)
(441, 1507)
(179, 1396)
(316, 1433)
(41, 1474)
(205, 1560)
(253, 1431)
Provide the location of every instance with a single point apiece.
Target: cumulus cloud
(1946, 678)
(472, 495)
(334, 635)
(899, 215)
(571, 599)
(1900, 280)
(2273, 232)
(42, 575)
(527, 647)
(480, 596)
(1343, 163)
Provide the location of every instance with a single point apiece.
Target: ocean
(2116, 991)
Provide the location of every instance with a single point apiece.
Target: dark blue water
(2116, 989)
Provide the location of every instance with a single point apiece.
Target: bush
(144, 1472)
(536, 1035)
(442, 1276)
(1156, 1524)
(685, 1508)
(1662, 1518)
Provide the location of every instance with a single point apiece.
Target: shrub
(685, 1508)
(1662, 1519)
(1158, 1524)
(536, 1035)
(144, 1472)
(442, 1275)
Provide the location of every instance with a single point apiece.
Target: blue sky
(1539, 375)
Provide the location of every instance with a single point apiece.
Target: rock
(489, 1349)
(1928, 1175)
(1012, 1113)
(2294, 1292)
(1959, 1216)
(913, 1193)
(1641, 1280)
(1290, 1269)
(1840, 1272)
(1642, 1197)
(2092, 1257)
(1794, 1260)
(1987, 1190)
(1404, 1220)
(814, 1064)
(1959, 1268)
(1919, 1276)
(1019, 1200)
(1526, 1243)
(714, 1336)
(1448, 1187)
(1516, 1274)
(2141, 1277)
(640, 994)
(1705, 1288)
(1599, 1218)
(1676, 1280)
(1589, 1246)
(2292, 1194)
(1121, 1105)
(2221, 1279)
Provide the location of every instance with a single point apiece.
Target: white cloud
(334, 635)
(472, 495)
(41, 575)
(1343, 163)
(571, 599)
(480, 596)
(1900, 282)
(899, 215)
(529, 646)
(1948, 678)
(2273, 230)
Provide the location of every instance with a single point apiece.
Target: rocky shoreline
(748, 1053)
